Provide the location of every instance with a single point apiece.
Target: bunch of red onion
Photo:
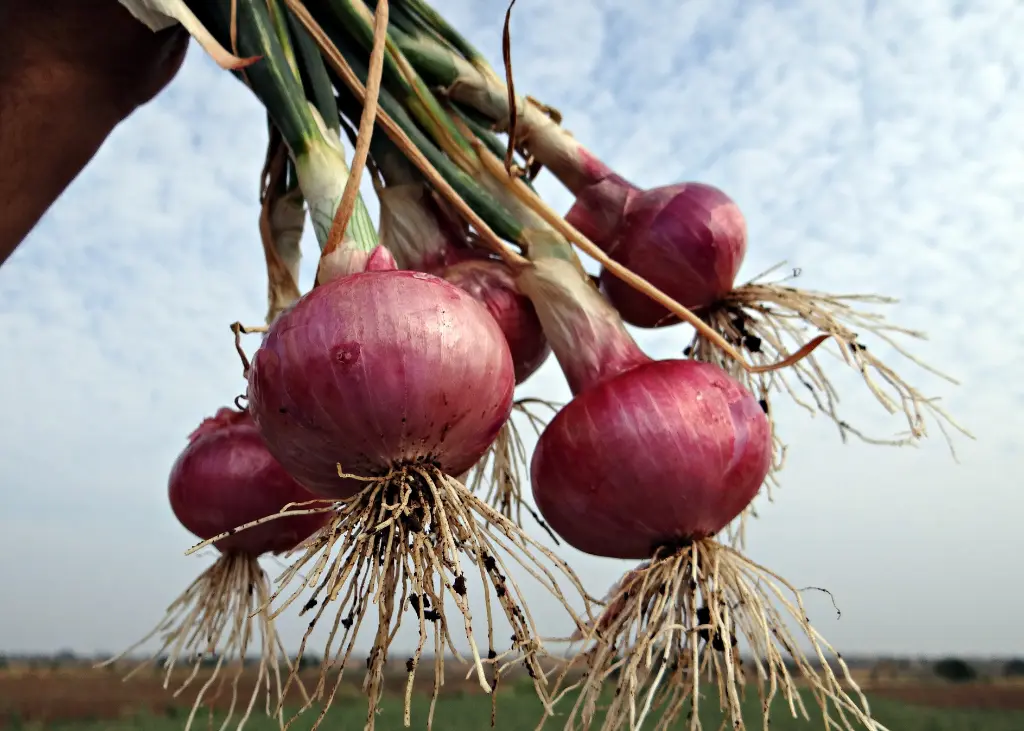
(381, 386)
(650, 461)
(223, 479)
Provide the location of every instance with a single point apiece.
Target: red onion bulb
(225, 478)
(493, 285)
(426, 237)
(376, 370)
(647, 453)
(688, 240)
(666, 452)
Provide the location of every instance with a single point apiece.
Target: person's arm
(63, 89)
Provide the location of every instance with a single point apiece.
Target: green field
(519, 711)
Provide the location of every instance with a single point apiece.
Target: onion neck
(224, 418)
(348, 259)
(586, 334)
(600, 210)
(323, 173)
(420, 234)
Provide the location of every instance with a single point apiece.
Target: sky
(870, 144)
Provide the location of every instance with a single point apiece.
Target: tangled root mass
(677, 622)
(409, 544)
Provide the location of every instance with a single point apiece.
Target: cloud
(874, 145)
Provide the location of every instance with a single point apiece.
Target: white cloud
(875, 145)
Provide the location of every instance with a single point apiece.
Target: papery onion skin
(493, 285)
(376, 370)
(688, 240)
(664, 453)
(226, 477)
(584, 331)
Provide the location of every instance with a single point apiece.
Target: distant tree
(3, 662)
(954, 670)
(1014, 668)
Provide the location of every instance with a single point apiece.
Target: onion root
(498, 475)
(677, 620)
(400, 541)
(761, 316)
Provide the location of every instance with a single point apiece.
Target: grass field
(85, 700)
(520, 712)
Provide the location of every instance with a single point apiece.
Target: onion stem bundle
(313, 142)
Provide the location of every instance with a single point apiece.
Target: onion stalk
(337, 39)
(651, 460)
(223, 478)
(315, 147)
(282, 220)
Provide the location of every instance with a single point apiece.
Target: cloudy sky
(870, 144)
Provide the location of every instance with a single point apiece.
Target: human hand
(97, 44)
(70, 72)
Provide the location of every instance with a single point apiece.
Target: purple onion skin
(492, 284)
(380, 369)
(665, 452)
(688, 240)
(226, 477)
